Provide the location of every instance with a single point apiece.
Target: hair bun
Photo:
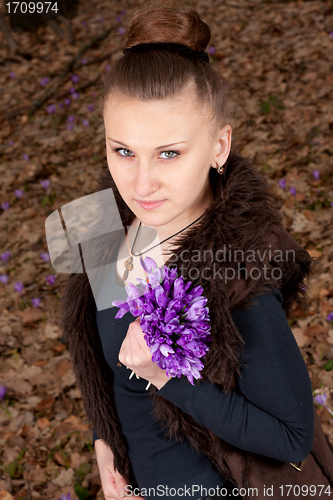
(156, 22)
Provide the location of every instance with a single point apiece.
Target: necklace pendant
(129, 266)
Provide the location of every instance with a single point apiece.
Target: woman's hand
(135, 354)
(113, 484)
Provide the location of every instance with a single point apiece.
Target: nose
(145, 182)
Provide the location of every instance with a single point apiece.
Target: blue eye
(122, 149)
(175, 153)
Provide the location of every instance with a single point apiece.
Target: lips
(149, 205)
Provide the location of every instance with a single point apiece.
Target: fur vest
(241, 217)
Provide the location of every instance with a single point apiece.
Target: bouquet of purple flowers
(174, 319)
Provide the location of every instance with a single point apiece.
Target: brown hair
(160, 74)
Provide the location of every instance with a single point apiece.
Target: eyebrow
(156, 149)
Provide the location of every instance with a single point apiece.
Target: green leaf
(265, 107)
(81, 492)
(329, 365)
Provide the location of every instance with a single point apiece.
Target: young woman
(171, 168)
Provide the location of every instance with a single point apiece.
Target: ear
(223, 145)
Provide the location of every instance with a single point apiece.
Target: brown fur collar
(241, 217)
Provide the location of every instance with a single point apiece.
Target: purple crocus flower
(36, 301)
(102, 19)
(75, 95)
(84, 61)
(60, 105)
(321, 399)
(118, 19)
(107, 67)
(51, 109)
(211, 50)
(331, 33)
(67, 101)
(75, 78)
(123, 12)
(51, 279)
(12, 74)
(72, 90)
(71, 119)
(66, 497)
(316, 174)
(293, 191)
(4, 279)
(6, 255)
(85, 122)
(5, 205)
(282, 183)
(10, 143)
(173, 318)
(330, 317)
(70, 127)
(84, 23)
(18, 287)
(45, 183)
(121, 30)
(90, 107)
(18, 193)
(3, 390)
(45, 256)
(25, 157)
(44, 81)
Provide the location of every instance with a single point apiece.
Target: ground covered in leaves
(278, 57)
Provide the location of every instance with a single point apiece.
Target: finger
(121, 484)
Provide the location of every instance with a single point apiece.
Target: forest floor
(277, 55)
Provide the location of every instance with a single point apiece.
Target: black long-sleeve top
(271, 413)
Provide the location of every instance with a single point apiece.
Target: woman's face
(162, 151)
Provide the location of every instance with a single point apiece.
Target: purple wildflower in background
(45, 256)
(121, 30)
(60, 105)
(316, 174)
(75, 78)
(330, 317)
(67, 101)
(18, 287)
(123, 12)
(84, 23)
(71, 118)
(70, 127)
(36, 301)
(331, 203)
(44, 81)
(90, 107)
(75, 95)
(72, 90)
(211, 50)
(5, 205)
(12, 74)
(51, 109)
(173, 319)
(321, 399)
(45, 183)
(66, 497)
(102, 19)
(18, 193)
(330, 34)
(107, 67)
(10, 143)
(3, 390)
(6, 255)
(85, 122)
(292, 191)
(51, 279)
(25, 157)
(84, 61)
(282, 183)
(118, 19)
(4, 279)
(303, 287)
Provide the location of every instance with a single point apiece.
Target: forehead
(183, 108)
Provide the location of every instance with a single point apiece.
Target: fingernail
(121, 492)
